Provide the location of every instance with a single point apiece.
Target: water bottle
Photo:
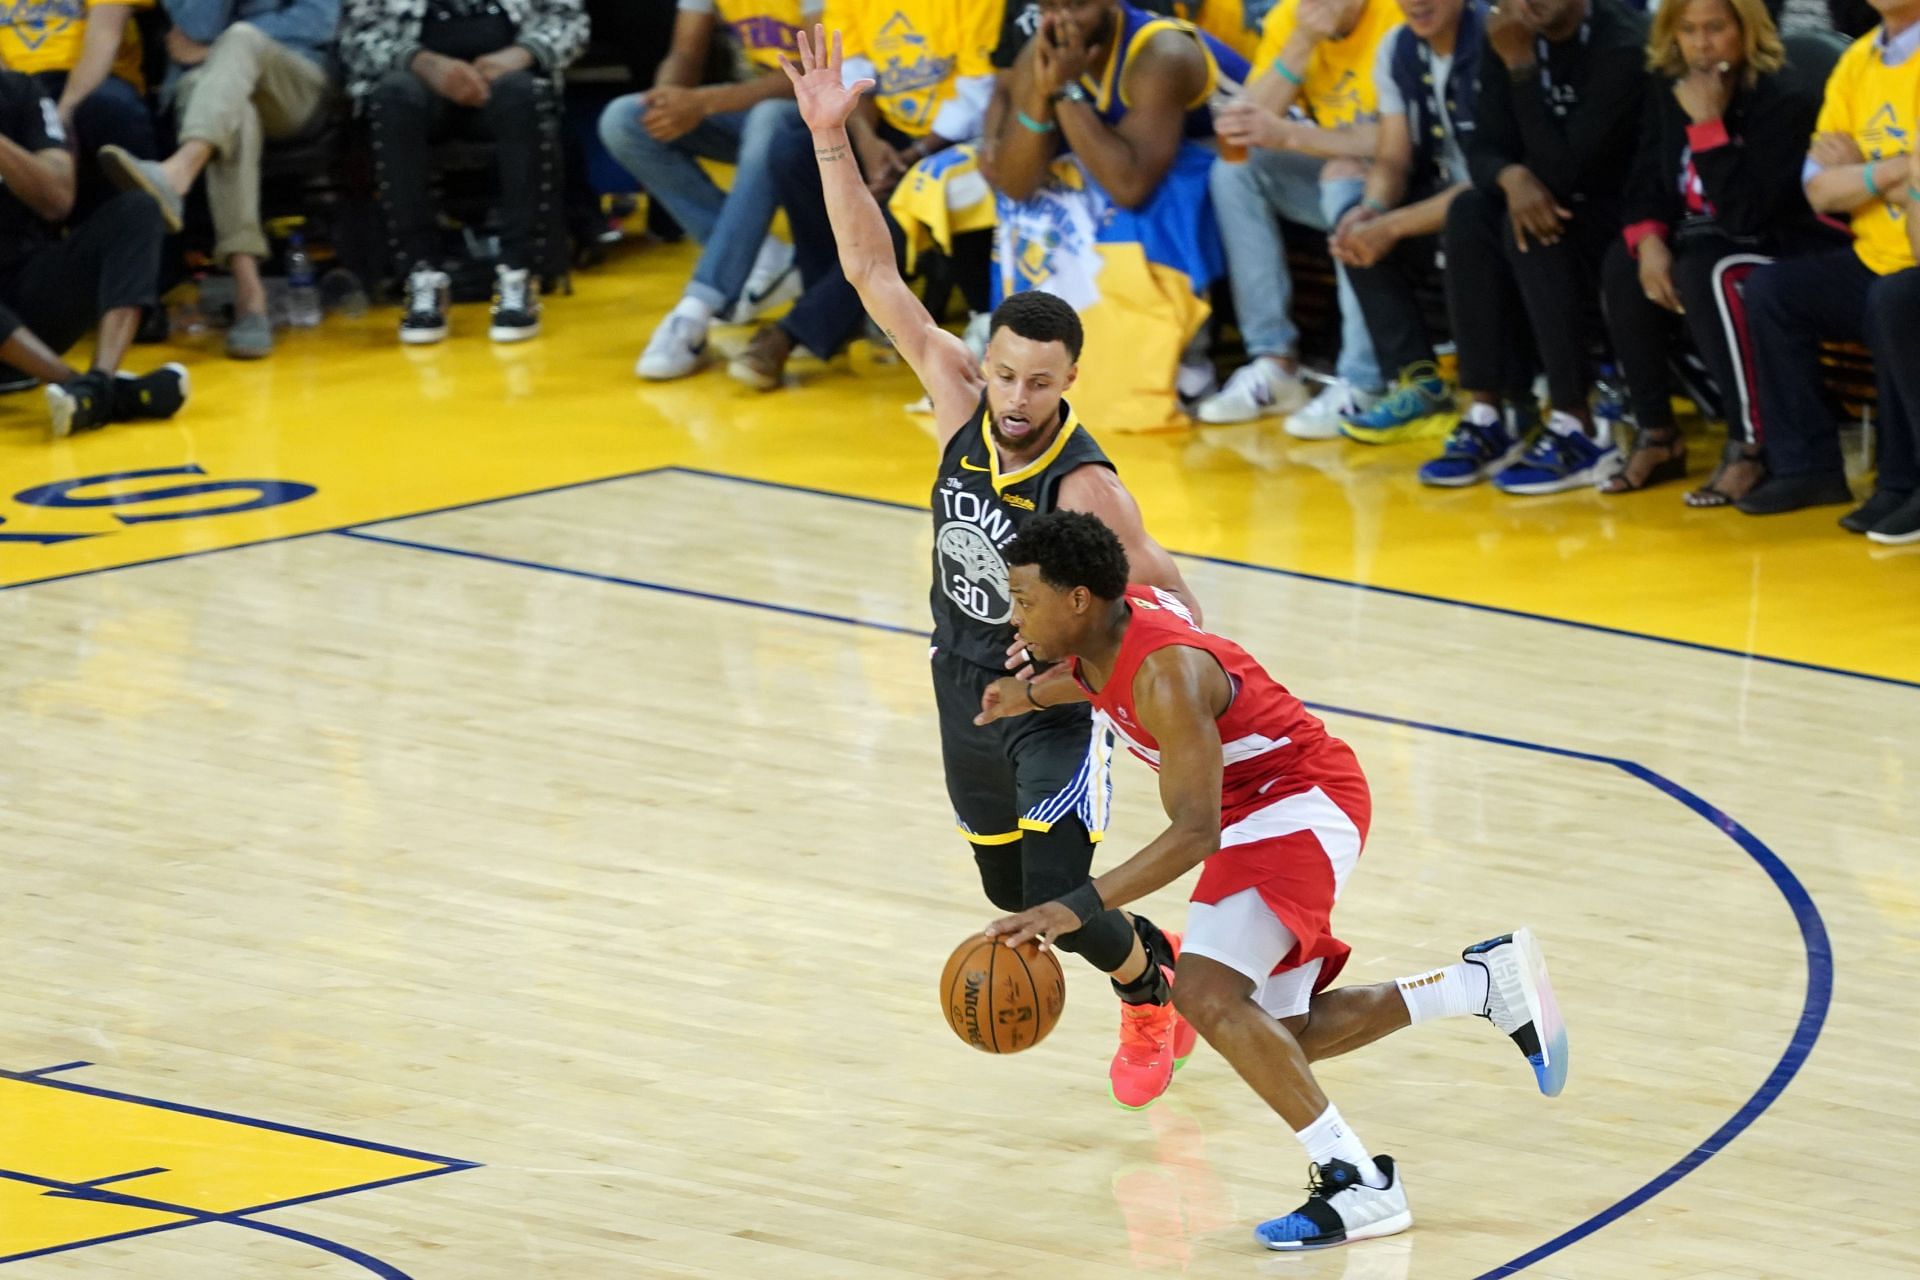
(1609, 404)
(303, 292)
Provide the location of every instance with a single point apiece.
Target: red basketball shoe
(1185, 1038)
(1153, 1041)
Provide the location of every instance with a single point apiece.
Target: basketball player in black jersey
(1030, 793)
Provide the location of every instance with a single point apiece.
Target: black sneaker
(1340, 1209)
(1900, 527)
(516, 305)
(1882, 504)
(1780, 494)
(427, 295)
(159, 394)
(83, 404)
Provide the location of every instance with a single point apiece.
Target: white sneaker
(515, 316)
(1258, 389)
(773, 280)
(1321, 418)
(676, 349)
(1195, 380)
(979, 329)
(1520, 1003)
(1340, 1209)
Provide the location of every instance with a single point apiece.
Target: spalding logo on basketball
(1002, 999)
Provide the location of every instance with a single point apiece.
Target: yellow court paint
(207, 1163)
(379, 431)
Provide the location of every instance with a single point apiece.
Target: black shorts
(1022, 774)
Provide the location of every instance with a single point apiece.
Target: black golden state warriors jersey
(976, 512)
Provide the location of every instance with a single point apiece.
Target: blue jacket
(1460, 94)
(305, 26)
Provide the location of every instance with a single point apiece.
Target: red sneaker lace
(1145, 1030)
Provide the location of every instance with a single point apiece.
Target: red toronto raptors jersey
(1273, 746)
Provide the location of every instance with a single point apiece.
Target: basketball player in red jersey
(1274, 810)
(1030, 796)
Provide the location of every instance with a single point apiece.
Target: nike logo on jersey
(966, 464)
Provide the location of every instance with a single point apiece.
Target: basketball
(1002, 999)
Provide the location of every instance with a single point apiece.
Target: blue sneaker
(1420, 407)
(1340, 1209)
(1520, 1003)
(1474, 451)
(1560, 458)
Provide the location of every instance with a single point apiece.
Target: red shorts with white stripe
(1264, 902)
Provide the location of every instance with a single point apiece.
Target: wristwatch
(1074, 92)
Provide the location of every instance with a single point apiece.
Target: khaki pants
(249, 90)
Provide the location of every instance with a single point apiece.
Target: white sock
(1483, 415)
(694, 310)
(1328, 1138)
(1567, 424)
(1452, 992)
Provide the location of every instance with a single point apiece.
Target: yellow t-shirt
(1338, 87)
(1874, 104)
(1223, 19)
(919, 49)
(45, 35)
(766, 28)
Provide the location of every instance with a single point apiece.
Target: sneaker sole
(658, 375)
(1541, 488)
(513, 333)
(1431, 427)
(1372, 1231)
(747, 375)
(423, 337)
(124, 171)
(60, 408)
(1543, 1010)
(1311, 433)
(1893, 539)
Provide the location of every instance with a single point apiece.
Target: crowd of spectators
(1534, 214)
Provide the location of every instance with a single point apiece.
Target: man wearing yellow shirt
(1858, 168)
(931, 61)
(85, 55)
(1316, 55)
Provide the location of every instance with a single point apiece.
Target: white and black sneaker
(427, 296)
(516, 305)
(1340, 1209)
(1520, 1003)
(775, 279)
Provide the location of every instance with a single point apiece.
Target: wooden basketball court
(557, 885)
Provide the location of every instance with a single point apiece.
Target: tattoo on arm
(826, 155)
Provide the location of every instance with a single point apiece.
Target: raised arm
(942, 362)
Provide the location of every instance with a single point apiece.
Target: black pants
(518, 117)
(1709, 273)
(1893, 321)
(1030, 794)
(1389, 298)
(116, 114)
(59, 291)
(1558, 288)
(828, 314)
(1793, 306)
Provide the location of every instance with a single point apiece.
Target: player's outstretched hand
(1007, 696)
(1046, 922)
(824, 102)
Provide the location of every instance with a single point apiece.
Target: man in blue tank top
(1030, 804)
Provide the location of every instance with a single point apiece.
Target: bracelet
(1037, 126)
(1866, 176)
(1033, 701)
(1375, 205)
(1913, 193)
(1287, 74)
(1084, 902)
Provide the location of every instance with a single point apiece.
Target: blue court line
(58, 1066)
(1813, 929)
(1301, 575)
(121, 1177)
(196, 1217)
(1397, 592)
(444, 1165)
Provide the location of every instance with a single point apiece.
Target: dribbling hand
(1045, 922)
(824, 102)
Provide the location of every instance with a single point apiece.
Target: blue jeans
(730, 224)
(1249, 199)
